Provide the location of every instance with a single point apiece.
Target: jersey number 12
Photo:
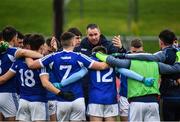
(104, 78)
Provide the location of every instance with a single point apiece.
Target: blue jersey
(102, 87)
(123, 86)
(52, 79)
(30, 88)
(6, 60)
(63, 64)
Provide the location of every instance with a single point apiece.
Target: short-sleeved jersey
(6, 60)
(63, 64)
(30, 86)
(102, 87)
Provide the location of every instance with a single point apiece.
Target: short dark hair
(20, 35)
(137, 43)
(8, 33)
(99, 49)
(75, 31)
(65, 38)
(167, 36)
(91, 26)
(35, 41)
(26, 40)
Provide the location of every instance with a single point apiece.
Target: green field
(28, 16)
(31, 16)
(112, 16)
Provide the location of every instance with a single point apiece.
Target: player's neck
(68, 48)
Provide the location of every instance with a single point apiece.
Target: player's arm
(27, 53)
(112, 61)
(39, 63)
(133, 75)
(33, 64)
(73, 78)
(168, 69)
(123, 63)
(99, 65)
(92, 64)
(159, 56)
(49, 86)
(8, 75)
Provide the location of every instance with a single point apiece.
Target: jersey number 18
(27, 78)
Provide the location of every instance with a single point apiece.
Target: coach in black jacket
(95, 38)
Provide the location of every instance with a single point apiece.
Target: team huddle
(74, 80)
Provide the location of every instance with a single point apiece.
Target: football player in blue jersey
(102, 90)
(63, 64)
(102, 101)
(147, 98)
(8, 107)
(50, 47)
(32, 104)
(50, 96)
(102, 114)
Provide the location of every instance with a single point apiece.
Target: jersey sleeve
(44, 71)
(85, 61)
(14, 67)
(46, 61)
(11, 52)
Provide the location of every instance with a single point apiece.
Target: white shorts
(123, 106)
(52, 107)
(74, 110)
(100, 110)
(8, 104)
(140, 111)
(31, 111)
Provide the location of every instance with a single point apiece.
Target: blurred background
(128, 18)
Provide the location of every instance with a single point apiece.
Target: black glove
(69, 96)
(118, 55)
